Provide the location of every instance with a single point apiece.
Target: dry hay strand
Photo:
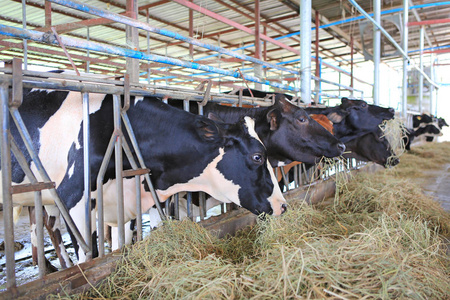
(380, 239)
(396, 258)
(394, 131)
(429, 156)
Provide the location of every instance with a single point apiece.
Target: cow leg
(49, 268)
(129, 231)
(78, 212)
(52, 222)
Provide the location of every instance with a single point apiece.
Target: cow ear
(215, 117)
(207, 129)
(337, 117)
(344, 100)
(273, 118)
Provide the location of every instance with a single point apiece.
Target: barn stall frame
(27, 34)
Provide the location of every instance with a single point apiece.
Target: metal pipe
(305, 49)
(142, 25)
(127, 124)
(405, 59)
(25, 42)
(316, 44)
(87, 170)
(6, 183)
(81, 44)
(422, 34)
(61, 206)
(391, 39)
(39, 214)
(138, 207)
(416, 15)
(119, 169)
(100, 206)
(376, 52)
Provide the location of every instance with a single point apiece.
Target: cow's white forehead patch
(250, 123)
(137, 99)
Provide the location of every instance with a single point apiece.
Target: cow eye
(302, 119)
(257, 157)
(363, 104)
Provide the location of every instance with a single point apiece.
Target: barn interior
(390, 53)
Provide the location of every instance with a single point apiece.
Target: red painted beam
(429, 22)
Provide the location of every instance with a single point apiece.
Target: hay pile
(381, 238)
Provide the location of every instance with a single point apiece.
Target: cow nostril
(391, 110)
(341, 147)
(283, 208)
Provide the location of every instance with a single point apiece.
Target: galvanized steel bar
(81, 44)
(421, 44)
(20, 157)
(87, 170)
(305, 49)
(405, 59)
(119, 169)
(25, 42)
(6, 183)
(138, 207)
(401, 49)
(39, 215)
(61, 206)
(100, 206)
(376, 52)
(127, 124)
(142, 25)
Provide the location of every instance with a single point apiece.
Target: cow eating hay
(382, 239)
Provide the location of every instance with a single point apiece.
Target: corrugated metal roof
(278, 19)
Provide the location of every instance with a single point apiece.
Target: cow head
(295, 136)
(241, 172)
(374, 147)
(363, 116)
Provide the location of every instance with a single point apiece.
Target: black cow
(286, 130)
(184, 152)
(257, 93)
(353, 118)
(374, 147)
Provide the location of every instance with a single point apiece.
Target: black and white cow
(185, 152)
(428, 126)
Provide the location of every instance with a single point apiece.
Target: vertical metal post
(431, 86)
(317, 82)
(87, 169)
(148, 47)
(405, 59)
(39, 214)
(257, 68)
(376, 52)
(351, 63)
(119, 168)
(138, 208)
(88, 63)
(132, 40)
(6, 183)
(305, 50)
(25, 43)
(191, 32)
(422, 35)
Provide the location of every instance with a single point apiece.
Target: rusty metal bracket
(207, 93)
(17, 86)
(126, 93)
(65, 50)
(245, 81)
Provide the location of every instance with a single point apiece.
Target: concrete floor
(438, 186)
